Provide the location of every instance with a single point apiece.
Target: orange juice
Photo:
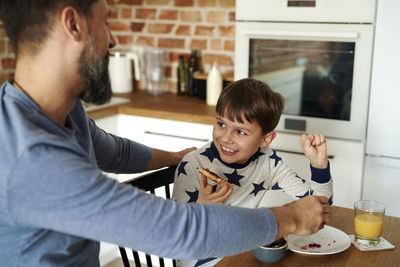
(368, 225)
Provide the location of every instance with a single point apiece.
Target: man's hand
(303, 217)
(314, 146)
(180, 154)
(206, 195)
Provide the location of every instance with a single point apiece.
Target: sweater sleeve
(72, 196)
(116, 154)
(283, 177)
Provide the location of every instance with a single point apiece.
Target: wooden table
(343, 220)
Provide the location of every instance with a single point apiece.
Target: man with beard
(55, 203)
(95, 70)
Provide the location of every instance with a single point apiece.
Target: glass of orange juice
(368, 221)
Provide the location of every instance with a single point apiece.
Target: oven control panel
(319, 11)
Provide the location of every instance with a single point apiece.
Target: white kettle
(121, 72)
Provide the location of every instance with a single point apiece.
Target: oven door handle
(330, 35)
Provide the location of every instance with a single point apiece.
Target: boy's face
(237, 142)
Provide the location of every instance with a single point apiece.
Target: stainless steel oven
(317, 54)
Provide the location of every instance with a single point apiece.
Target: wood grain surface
(343, 220)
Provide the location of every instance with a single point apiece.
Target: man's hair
(251, 99)
(30, 21)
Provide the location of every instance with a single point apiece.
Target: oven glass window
(315, 77)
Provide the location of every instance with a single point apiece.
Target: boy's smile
(236, 142)
(227, 150)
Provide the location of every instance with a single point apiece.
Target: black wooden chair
(160, 179)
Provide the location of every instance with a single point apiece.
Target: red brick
(174, 56)
(229, 45)
(145, 13)
(183, 30)
(5, 77)
(228, 3)
(111, 2)
(216, 16)
(125, 40)
(8, 63)
(226, 31)
(183, 2)
(126, 13)
(215, 44)
(198, 44)
(113, 13)
(171, 43)
(168, 14)
(2, 30)
(10, 48)
(204, 30)
(145, 41)
(137, 26)
(158, 2)
(192, 16)
(168, 71)
(159, 28)
(206, 3)
(232, 16)
(117, 26)
(131, 2)
(2, 46)
(223, 60)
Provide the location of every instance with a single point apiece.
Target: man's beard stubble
(94, 70)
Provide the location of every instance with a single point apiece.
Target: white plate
(328, 240)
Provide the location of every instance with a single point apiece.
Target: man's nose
(113, 41)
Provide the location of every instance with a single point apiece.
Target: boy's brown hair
(253, 100)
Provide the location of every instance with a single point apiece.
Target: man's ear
(72, 22)
(267, 139)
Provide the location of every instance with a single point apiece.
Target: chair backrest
(159, 179)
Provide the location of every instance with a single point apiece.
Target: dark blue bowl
(271, 254)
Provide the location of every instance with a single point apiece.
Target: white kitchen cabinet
(346, 165)
(109, 124)
(164, 134)
(158, 133)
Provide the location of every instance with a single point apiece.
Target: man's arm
(121, 155)
(162, 158)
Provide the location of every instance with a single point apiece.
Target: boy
(247, 113)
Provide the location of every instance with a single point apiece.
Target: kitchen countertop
(167, 106)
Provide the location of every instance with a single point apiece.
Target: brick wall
(175, 26)
(7, 58)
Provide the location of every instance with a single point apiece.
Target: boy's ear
(72, 22)
(267, 139)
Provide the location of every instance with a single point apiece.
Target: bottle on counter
(214, 85)
(192, 69)
(182, 73)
